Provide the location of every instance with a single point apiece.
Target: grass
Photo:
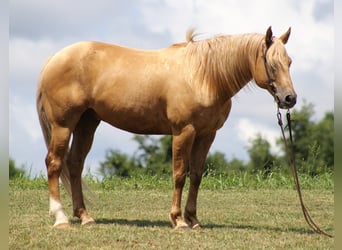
(211, 181)
(133, 214)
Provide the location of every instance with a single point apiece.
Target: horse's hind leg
(81, 143)
(55, 158)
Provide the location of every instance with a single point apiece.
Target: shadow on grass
(137, 223)
(258, 228)
(159, 223)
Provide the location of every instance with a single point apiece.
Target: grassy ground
(133, 214)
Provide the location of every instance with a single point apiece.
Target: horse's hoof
(182, 227)
(63, 225)
(88, 222)
(196, 226)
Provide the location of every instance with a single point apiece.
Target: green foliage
(260, 156)
(117, 164)
(276, 180)
(154, 156)
(211, 181)
(20, 180)
(24, 182)
(313, 142)
(324, 136)
(216, 162)
(302, 129)
(14, 171)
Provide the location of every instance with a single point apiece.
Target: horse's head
(272, 70)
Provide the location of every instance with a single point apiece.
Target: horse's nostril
(290, 99)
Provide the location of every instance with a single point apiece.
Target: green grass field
(133, 214)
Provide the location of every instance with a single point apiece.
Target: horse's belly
(147, 122)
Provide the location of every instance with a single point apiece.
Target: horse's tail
(46, 129)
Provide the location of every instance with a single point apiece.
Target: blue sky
(40, 28)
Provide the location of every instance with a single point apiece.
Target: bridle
(290, 149)
(270, 80)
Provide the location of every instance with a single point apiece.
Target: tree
(260, 156)
(302, 130)
(14, 171)
(324, 135)
(216, 162)
(147, 146)
(236, 165)
(116, 164)
(313, 142)
(155, 156)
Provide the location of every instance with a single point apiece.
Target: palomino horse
(184, 90)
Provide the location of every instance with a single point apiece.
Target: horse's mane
(223, 63)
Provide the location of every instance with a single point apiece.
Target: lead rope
(291, 156)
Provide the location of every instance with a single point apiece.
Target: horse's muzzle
(287, 102)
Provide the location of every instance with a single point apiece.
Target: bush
(15, 172)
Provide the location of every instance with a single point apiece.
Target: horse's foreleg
(198, 155)
(181, 149)
(54, 160)
(81, 144)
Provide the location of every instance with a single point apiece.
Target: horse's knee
(53, 165)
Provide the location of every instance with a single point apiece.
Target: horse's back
(80, 66)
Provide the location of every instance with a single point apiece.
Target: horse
(184, 90)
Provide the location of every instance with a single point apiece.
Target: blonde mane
(222, 64)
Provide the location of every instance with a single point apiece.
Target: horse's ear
(268, 37)
(284, 37)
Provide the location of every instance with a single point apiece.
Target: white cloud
(40, 19)
(248, 130)
(26, 56)
(24, 115)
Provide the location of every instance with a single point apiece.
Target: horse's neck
(240, 58)
(223, 65)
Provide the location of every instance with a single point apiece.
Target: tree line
(313, 146)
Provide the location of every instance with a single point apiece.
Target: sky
(40, 28)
